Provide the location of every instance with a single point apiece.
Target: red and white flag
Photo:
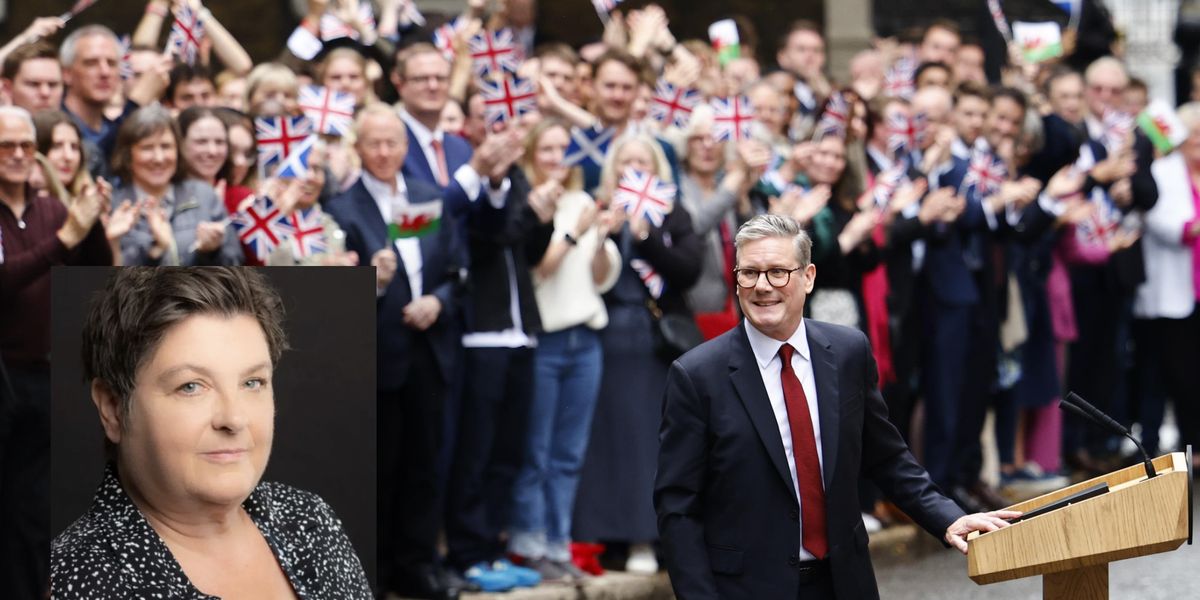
(644, 195)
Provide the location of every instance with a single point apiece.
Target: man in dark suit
(418, 284)
(765, 432)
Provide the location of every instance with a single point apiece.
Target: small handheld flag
(331, 112)
(732, 118)
(673, 105)
(506, 98)
(644, 195)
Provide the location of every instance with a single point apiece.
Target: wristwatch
(570, 239)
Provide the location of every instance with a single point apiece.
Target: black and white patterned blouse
(112, 552)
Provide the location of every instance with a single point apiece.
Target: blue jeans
(567, 367)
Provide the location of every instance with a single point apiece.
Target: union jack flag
(834, 118)
(1101, 225)
(644, 195)
(898, 81)
(126, 68)
(588, 145)
(902, 133)
(650, 278)
(308, 233)
(278, 137)
(261, 228)
(886, 183)
(444, 36)
(920, 124)
(296, 164)
(494, 52)
(186, 34)
(986, 172)
(333, 28)
(1117, 127)
(507, 98)
(331, 112)
(732, 118)
(673, 105)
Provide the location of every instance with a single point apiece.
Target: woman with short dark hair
(183, 220)
(181, 362)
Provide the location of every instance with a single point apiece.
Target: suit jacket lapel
(747, 380)
(828, 402)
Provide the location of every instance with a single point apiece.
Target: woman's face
(828, 161)
(344, 74)
(233, 94)
(201, 415)
(243, 153)
(704, 151)
(636, 156)
(153, 160)
(312, 184)
(276, 93)
(548, 155)
(205, 147)
(65, 153)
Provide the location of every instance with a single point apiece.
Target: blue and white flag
(295, 165)
(588, 145)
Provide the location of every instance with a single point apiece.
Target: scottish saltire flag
(261, 228)
(444, 37)
(1117, 125)
(644, 195)
(886, 183)
(898, 81)
(506, 98)
(673, 105)
(126, 48)
(902, 133)
(588, 145)
(650, 278)
(278, 137)
(834, 118)
(985, 173)
(331, 112)
(308, 233)
(732, 118)
(295, 165)
(333, 28)
(186, 34)
(494, 52)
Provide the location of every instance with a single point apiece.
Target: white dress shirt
(465, 175)
(409, 249)
(770, 367)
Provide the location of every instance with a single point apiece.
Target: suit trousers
(490, 448)
(944, 384)
(25, 483)
(409, 437)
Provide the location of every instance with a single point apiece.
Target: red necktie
(443, 178)
(808, 466)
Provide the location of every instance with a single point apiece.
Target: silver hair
(775, 226)
(17, 112)
(66, 52)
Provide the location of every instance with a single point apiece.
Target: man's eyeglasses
(777, 277)
(9, 147)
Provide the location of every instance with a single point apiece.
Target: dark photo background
(324, 396)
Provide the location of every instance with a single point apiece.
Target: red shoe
(587, 557)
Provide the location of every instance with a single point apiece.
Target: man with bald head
(36, 233)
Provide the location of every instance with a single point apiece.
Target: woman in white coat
(1171, 293)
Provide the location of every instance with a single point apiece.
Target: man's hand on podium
(956, 534)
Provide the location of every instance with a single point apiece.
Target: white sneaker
(641, 560)
(871, 524)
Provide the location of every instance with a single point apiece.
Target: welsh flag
(1038, 41)
(725, 40)
(1160, 123)
(415, 220)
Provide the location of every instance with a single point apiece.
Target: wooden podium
(1072, 546)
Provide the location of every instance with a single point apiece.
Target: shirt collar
(766, 348)
(422, 133)
(380, 189)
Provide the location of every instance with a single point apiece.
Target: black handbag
(674, 334)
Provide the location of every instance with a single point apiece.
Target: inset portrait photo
(213, 432)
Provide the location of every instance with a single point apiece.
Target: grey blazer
(188, 204)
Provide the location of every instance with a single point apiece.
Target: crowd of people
(551, 226)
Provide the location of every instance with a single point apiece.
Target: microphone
(1079, 407)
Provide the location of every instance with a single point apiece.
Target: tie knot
(785, 354)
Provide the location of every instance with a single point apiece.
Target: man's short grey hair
(775, 226)
(17, 112)
(66, 53)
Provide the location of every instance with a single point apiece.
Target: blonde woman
(580, 264)
(657, 265)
